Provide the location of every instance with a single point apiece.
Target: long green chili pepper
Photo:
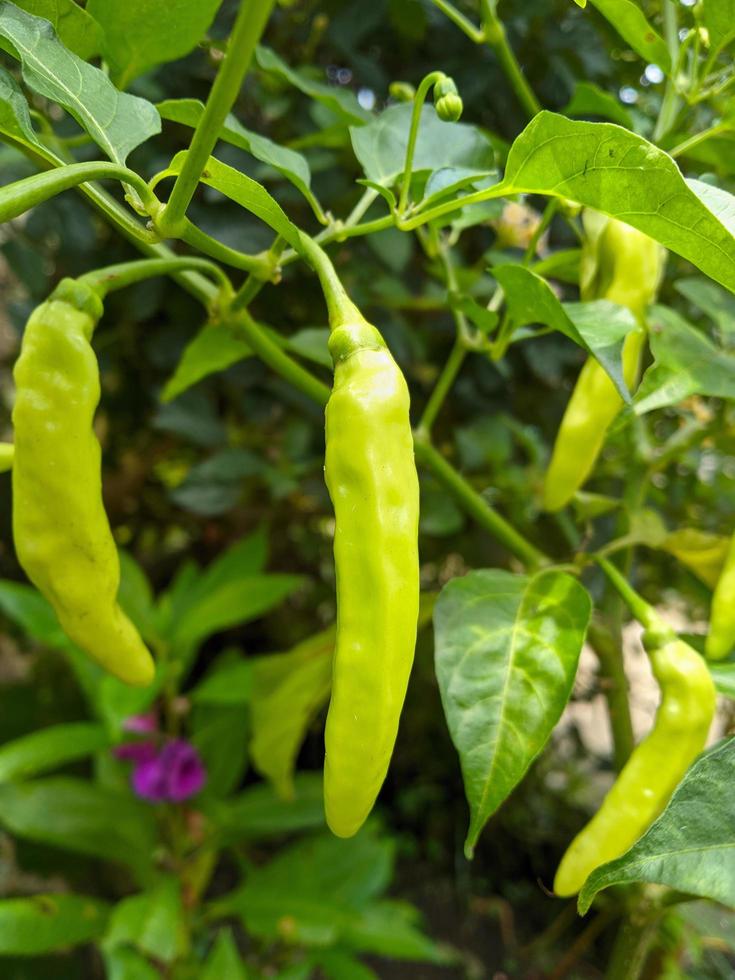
(623, 265)
(721, 637)
(61, 532)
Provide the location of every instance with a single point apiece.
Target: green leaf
(711, 299)
(608, 168)
(690, 847)
(76, 29)
(335, 964)
(78, 816)
(685, 363)
(629, 21)
(230, 684)
(288, 690)
(136, 596)
(589, 99)
(224, 960)
(247, 556)
(723, 674)
(116, 122)
(599, 327)
(259, 813)
(507, 648)
(718, 17)
(290, 164)
(26, 607)
(49, 748)
(15, 119)
(213, 727)
(318, 885)
(391, 928)
(340, 101)
(140, 34)
(381, 145)
(231, 604)
(151, 921)
(311, 344)
(126, 963)
(215, 348)
(243, 190)
(46, 923)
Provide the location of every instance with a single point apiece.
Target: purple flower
(149, 780)
(137, 752)
(141, 724)
(174, 773)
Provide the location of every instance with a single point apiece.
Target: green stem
(698, 138)
(279, 360)
(115, 277)
(253, 285)
(442, 387)
(475, 34)
(339, 305)
(249, 25)
(633, 944)
(19, 197)
(418, 102)
(475, 505)
(495, 35)
(643, 612)
(615, 690)
(670, 101)
(259, 265)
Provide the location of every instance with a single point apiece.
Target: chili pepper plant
(492, 244)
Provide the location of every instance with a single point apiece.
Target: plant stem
(465, 25)
(259, 265)
(670, 101)
(698, 138)
(615, 689)
(633, 942)
(249, 25)
(114, 277)
(495, 35)
(339, 305)
(418, 102)
(477, 506)
(643, 612)
(443, 385)
(19, 197)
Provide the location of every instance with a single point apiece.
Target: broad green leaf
(340, 101)
(702, 552)
(290, 164)
(599, 327)
(116, 122)
(78, 816)
(26, 607)
(685, 363)
(224, 960)
(258, 813)
(136, 596)
(608, 168)
(335, 964)
(507, 648)
(151, 921)
(243, 190)
(589, 99)
(211, 728)
(49, 748)
(15, 119)
(215, 348)
(381, 145)
(311, 344)
(629, 21)
(723, 674)
(719, 19)
(320, 885)
(76, 29)
(231, 604)
(288, 690)
(230, 684)
(711, 299)
(690, 847)
(139, 34)
(45, 923)
(449, 180)
(391, 928)
(126, 963)
(247, 556)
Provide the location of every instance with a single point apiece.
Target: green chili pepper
(7, 454)
(371, 476)
(623, 265)
(61, 532)
(655, 768)
(721, 637)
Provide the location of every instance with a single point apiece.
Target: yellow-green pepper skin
(7, 455)
(721, 637)
(372, 481)
(62, 536)
(623, 265)
(654, 769)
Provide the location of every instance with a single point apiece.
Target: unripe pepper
(654, 769)
(371, 477)
(62, 536)
(623, 265)
(721, 637)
